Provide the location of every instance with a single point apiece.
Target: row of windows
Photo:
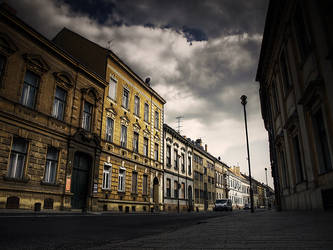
(107, 173)
(176, 188)
(18, 157)
(201, 195)
(198, 159)
(125, 102)
(176, 160)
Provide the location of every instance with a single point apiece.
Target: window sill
(127, 109)
(12, 179)
(137, 116)
(49, 183)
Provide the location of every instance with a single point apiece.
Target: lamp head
(243, 98)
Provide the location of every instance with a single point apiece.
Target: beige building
(50, 122)
(131, 161)
(295, 76)
(239, 188)
(221, 180)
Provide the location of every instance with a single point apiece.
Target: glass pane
(87, 107)
(31, 78)
(52, 154)
(61, 94)
(20, 166)
(19, 145)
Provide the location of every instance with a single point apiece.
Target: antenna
(179, 118)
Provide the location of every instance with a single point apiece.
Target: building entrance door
(155, 193)
(80, 178)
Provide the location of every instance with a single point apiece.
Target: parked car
(223, 205)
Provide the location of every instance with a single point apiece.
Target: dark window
(156, 119)
(137, 105)
(201, 177)
(175, 159)
(168, 155)
(145, 146)
(183, 163)
(189, 166)
(2, 67)
(87, 115)
(285, 72)
(109, 129)
(298, 161)
(324, 158)
(59, 103)
(146, 112)
(168, 188)
(145, 185)
(205, 171)
(125, 98)
(30, 87)
(156, 152)
(17, 158)
(136, 142)
(284, 169)
(123, 138)
(134, 182)
(275, 98)
(175, 189)
(51, 165)
(302, 36)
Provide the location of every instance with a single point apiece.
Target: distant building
(295, 75)
(239, 188)
(178, 172)
(221, 179)
(130, 175)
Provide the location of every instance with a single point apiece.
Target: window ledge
(22, 180)
(42, 182)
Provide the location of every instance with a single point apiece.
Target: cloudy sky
(201, 55)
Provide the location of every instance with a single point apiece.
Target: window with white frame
(145, 185)
(59, 103)
(51, 165)
(134, 182)
(17, 158)
(136, 105)
(107, 176)
(109, 129)
(112, 88)
(146, 112)
(145, 146)
(30, 88)
(156, 119)
(123, 137)
(136, 142)
(125, 98)
(121, 180)
(87, 116)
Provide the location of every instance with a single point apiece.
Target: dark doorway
(190, 204)
(80, 178)
(155, 191)
(13, 202)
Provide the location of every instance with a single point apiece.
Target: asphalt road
(89, 231)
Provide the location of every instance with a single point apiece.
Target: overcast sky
(201, 55)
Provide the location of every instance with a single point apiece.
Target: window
(283, 168)
(183, 163)
(109, 129)
(137, 105)
(168, 155)
(146, 114)
(125, 98)
(168, 188)
(51, 165)
(275, 98)
(123, 137)
(112, 88)
(156, 152)
(134, 182)
(175, 156)
(106, 176)
(201, 177)
(324, 158)
(30, 86)
(2, 67)
(136, 142)
(189, 165)
(17, 158)
(196, 175)
(205, 171)
(298, 161)
(145, 146)
(87, 115)
(176, 188)
(145, 185)
(302, 36)
(156, 119)
(285, 72)
(183, 190)
(121, 180)
(59, 103)
(196, 193)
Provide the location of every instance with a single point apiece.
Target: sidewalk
(264, 230)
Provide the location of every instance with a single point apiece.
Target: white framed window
(123, 137)
(17, 158)
(146, 112)
(51, 165)
(145, 146)
(136, 105)
(125, 98)
(156, 119)
(121, 180)
(59, 103)
(112, 88)
(109, 129)
(87, 116)
(30, 87)
(136, 142)
(107, 176)
(134, 182)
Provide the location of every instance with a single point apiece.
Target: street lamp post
(244, 102)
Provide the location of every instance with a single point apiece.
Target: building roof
(95, 57)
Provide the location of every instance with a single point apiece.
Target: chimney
(206, 147)
(219, 158)
(8, 8)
